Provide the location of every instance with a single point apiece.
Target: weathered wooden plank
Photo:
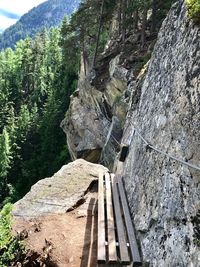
(112, 249)
(123, 249)
(101, 257)
(129, 226)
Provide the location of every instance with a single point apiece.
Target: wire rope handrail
(149, 145)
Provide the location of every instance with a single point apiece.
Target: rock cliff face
(164, 195)
(95, 120)
(164, 108)
(97, 111)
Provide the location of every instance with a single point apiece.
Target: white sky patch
(6, 22)
(19, 6)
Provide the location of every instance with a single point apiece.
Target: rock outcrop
(95, 120)
(59, 193)
(97, 108)
(164, 195)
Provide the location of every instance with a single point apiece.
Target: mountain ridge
(47, 14)
(8, 14)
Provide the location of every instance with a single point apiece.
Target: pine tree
(5, 160)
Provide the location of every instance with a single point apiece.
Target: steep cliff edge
(95, 119)
(164, 195)
(164, 108)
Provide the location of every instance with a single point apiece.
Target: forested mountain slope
(47, 14)
(36, 83)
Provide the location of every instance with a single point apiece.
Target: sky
(12, 10)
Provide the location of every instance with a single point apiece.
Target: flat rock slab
(59, 193)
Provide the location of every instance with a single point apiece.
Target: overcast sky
(11, 10)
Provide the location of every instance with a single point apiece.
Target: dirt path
(66, 240)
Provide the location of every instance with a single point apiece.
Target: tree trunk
(144, 26)
(84, 59)
(83, 49)
(123, 20)
(136, 19)
(120, 16)
(153, 17)
(98, 34)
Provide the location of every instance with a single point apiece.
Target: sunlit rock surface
(60, 192)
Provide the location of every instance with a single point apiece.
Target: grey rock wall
(164, 195)
(92, 112)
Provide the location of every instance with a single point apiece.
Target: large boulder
(59, 193)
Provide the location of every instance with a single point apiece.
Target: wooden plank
(101, 255)
(129, 226)
(123, 249)
(112, 248)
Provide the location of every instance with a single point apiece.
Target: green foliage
(117, 99)
(193, 7)
(5, 157)
(84, 26)
(10, 247)
(36, 81)
(4, 153)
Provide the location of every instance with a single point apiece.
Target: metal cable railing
(149, 145)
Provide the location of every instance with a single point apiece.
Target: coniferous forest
(36, 83)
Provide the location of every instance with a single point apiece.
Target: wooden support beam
(101, 257)
(123, 248)
(129, 226)
(112, 248)
(117, 245)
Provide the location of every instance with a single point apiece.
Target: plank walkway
(117, 244)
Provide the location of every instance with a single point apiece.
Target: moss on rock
(193, 7)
